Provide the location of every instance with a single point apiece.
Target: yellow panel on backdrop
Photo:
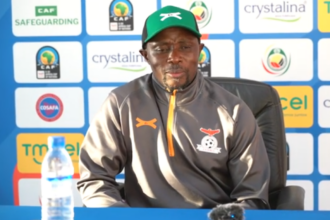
(31, 149)
(297, 104)
(324, 15)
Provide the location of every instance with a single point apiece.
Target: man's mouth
(175, 74)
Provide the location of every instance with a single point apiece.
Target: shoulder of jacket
(218, 93)
(122, 92)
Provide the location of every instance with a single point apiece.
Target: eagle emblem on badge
(209, 143)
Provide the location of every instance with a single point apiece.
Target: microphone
(229, 211)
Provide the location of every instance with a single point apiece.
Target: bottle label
(56, 187)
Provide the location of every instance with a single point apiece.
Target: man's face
(173, 57)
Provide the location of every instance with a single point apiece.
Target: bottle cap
(56, 142)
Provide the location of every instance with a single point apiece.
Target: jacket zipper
(170, 120)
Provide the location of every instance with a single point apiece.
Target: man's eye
(161, 49)
(185, 47)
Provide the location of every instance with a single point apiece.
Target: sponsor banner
(323, 13)
(276, 59)
(324, 106)
(96, 97)
(324, 198)
(213, 17)
(48, 62)
(297, 105)
(115, 61)
(324, 152)
(117, 17)
(51, 18)
(272, 16)
(323, 58)
(308, 186)
(217, 59)
(301, 151)
(32, 148)
(49, 107)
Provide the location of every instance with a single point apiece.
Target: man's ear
(143, 52)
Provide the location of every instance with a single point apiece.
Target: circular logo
(209, 142)
(326, 103)
(202, 13)
(49, 107)
(121, 8)
(204, 56)
(276, 61)
(47, 56)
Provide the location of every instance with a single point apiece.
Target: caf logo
(121, 16)
(204, 62)
(48, 63)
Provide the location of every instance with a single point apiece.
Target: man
(184, 141)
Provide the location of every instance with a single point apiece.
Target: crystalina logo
(202, 13)
(129, 62)
(275, 61)
(46, 16)
(283, 11)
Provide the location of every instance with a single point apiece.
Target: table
(34, 213)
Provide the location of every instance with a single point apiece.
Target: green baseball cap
(166, 17)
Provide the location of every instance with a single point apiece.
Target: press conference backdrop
(60, 59)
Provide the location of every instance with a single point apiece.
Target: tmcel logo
(297, 105)
(324, 15)
(32, 148)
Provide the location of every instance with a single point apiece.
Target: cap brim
(194, 32)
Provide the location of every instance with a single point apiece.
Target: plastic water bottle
(56, 182)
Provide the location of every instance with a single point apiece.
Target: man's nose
(175, 55)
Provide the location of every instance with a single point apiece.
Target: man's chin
(172, 85)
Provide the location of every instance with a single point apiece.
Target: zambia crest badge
(209, 142)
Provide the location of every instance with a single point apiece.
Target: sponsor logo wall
(62, 58)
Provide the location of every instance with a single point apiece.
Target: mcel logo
(297, 105)
(31, 149)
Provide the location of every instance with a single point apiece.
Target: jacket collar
(184, 96)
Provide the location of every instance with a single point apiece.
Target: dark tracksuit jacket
(194, 148)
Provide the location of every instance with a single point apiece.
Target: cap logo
(168, 15)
